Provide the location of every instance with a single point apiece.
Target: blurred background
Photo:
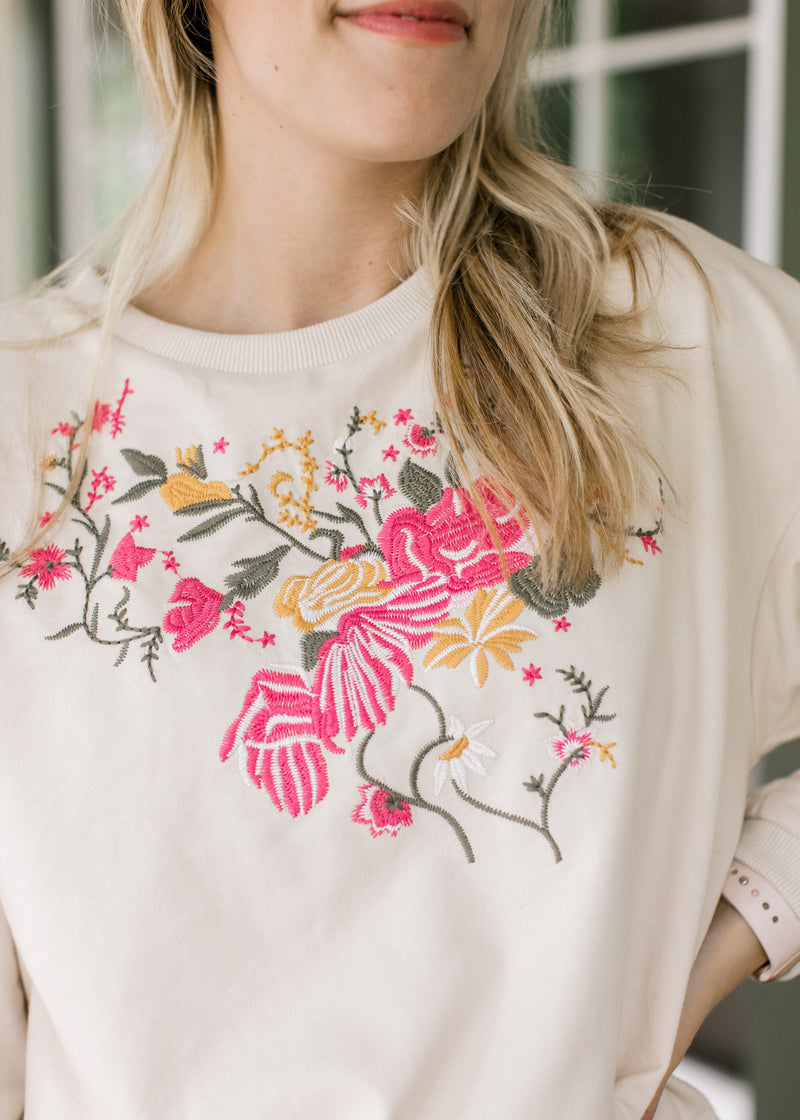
(687, 105)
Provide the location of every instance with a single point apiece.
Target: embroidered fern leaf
(138, 490)
(257, 572)
(54, 486)
(100, 547)
(336, 537)
(5, 552)
(206, 528)
(65, 633)
(422, 488)
(145, 465)
(95, 620)
(196, 508)
(123, 653)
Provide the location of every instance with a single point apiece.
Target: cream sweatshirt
(304, 810)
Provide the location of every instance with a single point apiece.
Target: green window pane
(678, 134)
(648, 15)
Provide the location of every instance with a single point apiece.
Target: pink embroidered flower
(44, 519)
(531, 674)
(102, 415)
(139, 523)
(650, 545)
(63, 429)
(360, 670)
(48, 565)
(102, 483)
(276, 742)
(336, 476)
(402, 416)
(373, 489)
(421, 440)
(197, 615)
(390, 453)
(451, 538)
(382, 811)
(128, 557)
(575, 746)
(562, 624)
(221, 445)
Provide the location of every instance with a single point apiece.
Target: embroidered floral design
(197, 615)
(422, 441)
(574, 747)
(487, 627)
(399, 570)
(128, 557)
(448, 535)
(360, 670)
(383, 812)
(465, 751)
(277, 744)
(47, 566)
(288, 500)
(336, 587)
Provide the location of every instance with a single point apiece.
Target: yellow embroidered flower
(187, 458)
(181, 490)
(336, 587)
(485, 628)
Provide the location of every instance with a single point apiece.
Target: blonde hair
(519, 257)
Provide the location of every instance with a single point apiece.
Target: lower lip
(412, 30)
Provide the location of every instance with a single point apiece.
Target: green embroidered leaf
(145, 465)
(29, 592)
(54, 486)
(94, 620)
(256, 573)
(336, 537)
(527, 586)
(422, 488)
(349, 514)
(5, 552)
(206, 507)
(311, 644)
(71, 629)
(206, 528)
(123, 653)
(138, 490)
(580, 596)
(451, 475)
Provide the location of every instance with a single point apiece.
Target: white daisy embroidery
(465, 750)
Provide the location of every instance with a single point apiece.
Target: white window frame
(761, 36)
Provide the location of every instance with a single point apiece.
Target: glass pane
(121, 155)
(678, 133)
(647, 15)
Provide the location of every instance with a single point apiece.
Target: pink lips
(418, 21)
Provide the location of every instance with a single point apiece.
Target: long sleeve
(770, 841)
(13, 1023)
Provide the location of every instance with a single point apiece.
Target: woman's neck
(297, 237)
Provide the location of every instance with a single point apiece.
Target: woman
(460, 515)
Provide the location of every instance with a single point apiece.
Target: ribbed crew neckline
(283, 351)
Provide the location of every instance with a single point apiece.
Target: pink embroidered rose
(360, 670)
(276, 741)
(381, 811)
(128, 557)
(48, 565)
(451, 538)
(197, 615)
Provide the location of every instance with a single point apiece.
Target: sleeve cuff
(769, 916)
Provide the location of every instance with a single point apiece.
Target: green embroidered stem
(415, 799)
(540, 828)
(434, 704)
(376, 509)
(256, 513)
